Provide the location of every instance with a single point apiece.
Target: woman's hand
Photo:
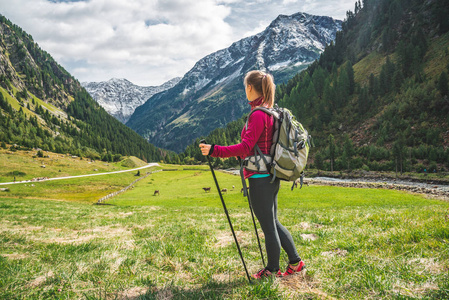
(205, 149)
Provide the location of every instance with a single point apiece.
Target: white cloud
(166, 35)
(257, 29)
(228, 1)
(147, 42)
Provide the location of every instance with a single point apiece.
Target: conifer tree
(331, 146)
(348, 150)
(399, 153)
(443, 84)
(350, 72)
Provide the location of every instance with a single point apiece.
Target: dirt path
(86, 175)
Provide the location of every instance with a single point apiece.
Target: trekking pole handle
(203, 141)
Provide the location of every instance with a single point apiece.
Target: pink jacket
(260, 131)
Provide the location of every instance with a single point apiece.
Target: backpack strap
(301, 181)
(276, 115)
(258, 162)
(262, 155)
(295, 144)
(269, 111)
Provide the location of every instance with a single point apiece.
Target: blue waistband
(259, 175)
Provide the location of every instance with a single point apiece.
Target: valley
(371, 222)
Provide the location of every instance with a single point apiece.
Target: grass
(24, 166)
(13, 101)
(16, 105)
(87, 190)
(55, 165)
(368, 244)
(438, 50)
(372, 63)
(51, 108)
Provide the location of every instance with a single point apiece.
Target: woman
(260, 89)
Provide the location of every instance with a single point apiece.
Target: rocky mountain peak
(120, 97)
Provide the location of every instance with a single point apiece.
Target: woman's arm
(256, 125)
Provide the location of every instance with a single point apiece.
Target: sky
(148, 41)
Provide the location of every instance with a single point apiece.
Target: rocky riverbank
(430, 190)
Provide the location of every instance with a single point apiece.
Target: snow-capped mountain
(120, 97)
(211, 94)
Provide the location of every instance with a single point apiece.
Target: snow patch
(280, 65)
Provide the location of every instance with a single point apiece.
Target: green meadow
(357, 243)
(25, 165)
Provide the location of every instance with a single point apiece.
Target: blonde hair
(263, 83)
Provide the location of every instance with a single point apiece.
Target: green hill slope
(376, 98)
(43, 106)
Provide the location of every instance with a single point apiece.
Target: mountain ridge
(211, 94)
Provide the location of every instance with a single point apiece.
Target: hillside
(43, 106)
(377, 98)
(211, 94)
(393, 114)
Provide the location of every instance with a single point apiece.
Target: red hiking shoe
(265, 273)
(294, 269)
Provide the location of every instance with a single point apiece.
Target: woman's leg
(286, 238)
(262, 197)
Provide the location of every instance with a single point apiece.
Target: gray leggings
(263, 197)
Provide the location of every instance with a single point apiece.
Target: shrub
(117, 157)
(420, 168)
(432, 167)
(15, 173)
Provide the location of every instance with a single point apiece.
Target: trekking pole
(246, 193)
(227, 214)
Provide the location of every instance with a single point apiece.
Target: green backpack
(288, 152)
